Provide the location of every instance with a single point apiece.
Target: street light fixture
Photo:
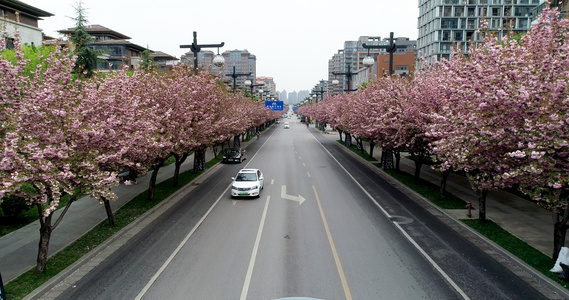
(391, 48)
(195, 48)
(235, 75)
(368, 60)
(251, 85)
(218, 60)
(348, 75)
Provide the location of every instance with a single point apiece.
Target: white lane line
(247, 282)
(413, 242)
(169, 260)
(308, 173)
(435, 265)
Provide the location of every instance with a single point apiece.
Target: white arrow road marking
(235, 201)
(298, 199)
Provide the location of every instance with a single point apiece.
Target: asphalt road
(325, 227)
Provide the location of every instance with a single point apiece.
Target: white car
(286, 125)
(247, 183)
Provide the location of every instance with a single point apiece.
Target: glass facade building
(444, 24)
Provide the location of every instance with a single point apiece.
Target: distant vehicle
(247, 183)
(286, 125)
(234, 155)
(303, 119)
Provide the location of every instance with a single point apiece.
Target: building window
(449, 24)
(458, 11)
(521, 11)
(458, 36)
(446, 35)
(496, 12)
(10, 43)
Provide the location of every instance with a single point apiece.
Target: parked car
(286, 125)
(247, 183)
(235, 155)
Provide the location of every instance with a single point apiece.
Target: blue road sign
(274, 105)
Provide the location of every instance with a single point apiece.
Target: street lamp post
(348, 75)
(391, 48)
(320, 92)
(195, 48)
(235, 75)
(251, 85)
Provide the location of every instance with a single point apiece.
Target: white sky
(292, 39)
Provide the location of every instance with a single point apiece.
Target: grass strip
(515, 246)
(29, 281)
(423, 187)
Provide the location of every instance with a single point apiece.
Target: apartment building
(444, 24)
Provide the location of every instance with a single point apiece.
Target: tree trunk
(418, 165)
(442, 190)
(180, 159)
(152, 183)
(371, 146)
(481, 194)
(340, 133)
(559, 232)
(45, 236)
(109, 210)
(46, 228)
(418, 159)
(236, 142)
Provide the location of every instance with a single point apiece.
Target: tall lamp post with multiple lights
(235, 75)
(386, 155)
(348, 75)
(199, 154)
(391, 48)
(195, 48)
(251, 85)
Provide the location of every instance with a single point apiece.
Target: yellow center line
(334, 252)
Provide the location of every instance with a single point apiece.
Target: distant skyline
(292, 39)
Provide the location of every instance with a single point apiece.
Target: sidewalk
(18, 250)
(522, 218)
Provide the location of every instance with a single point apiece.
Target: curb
(70, 275)
(532, 277)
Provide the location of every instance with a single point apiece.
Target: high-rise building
(293, 97)
(443, 23)
(283, 96)
(270, 87)
(350, 59)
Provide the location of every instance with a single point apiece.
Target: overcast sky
(292, 39)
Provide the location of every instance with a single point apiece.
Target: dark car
(235, 155)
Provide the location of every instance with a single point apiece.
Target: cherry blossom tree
(44, 159)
